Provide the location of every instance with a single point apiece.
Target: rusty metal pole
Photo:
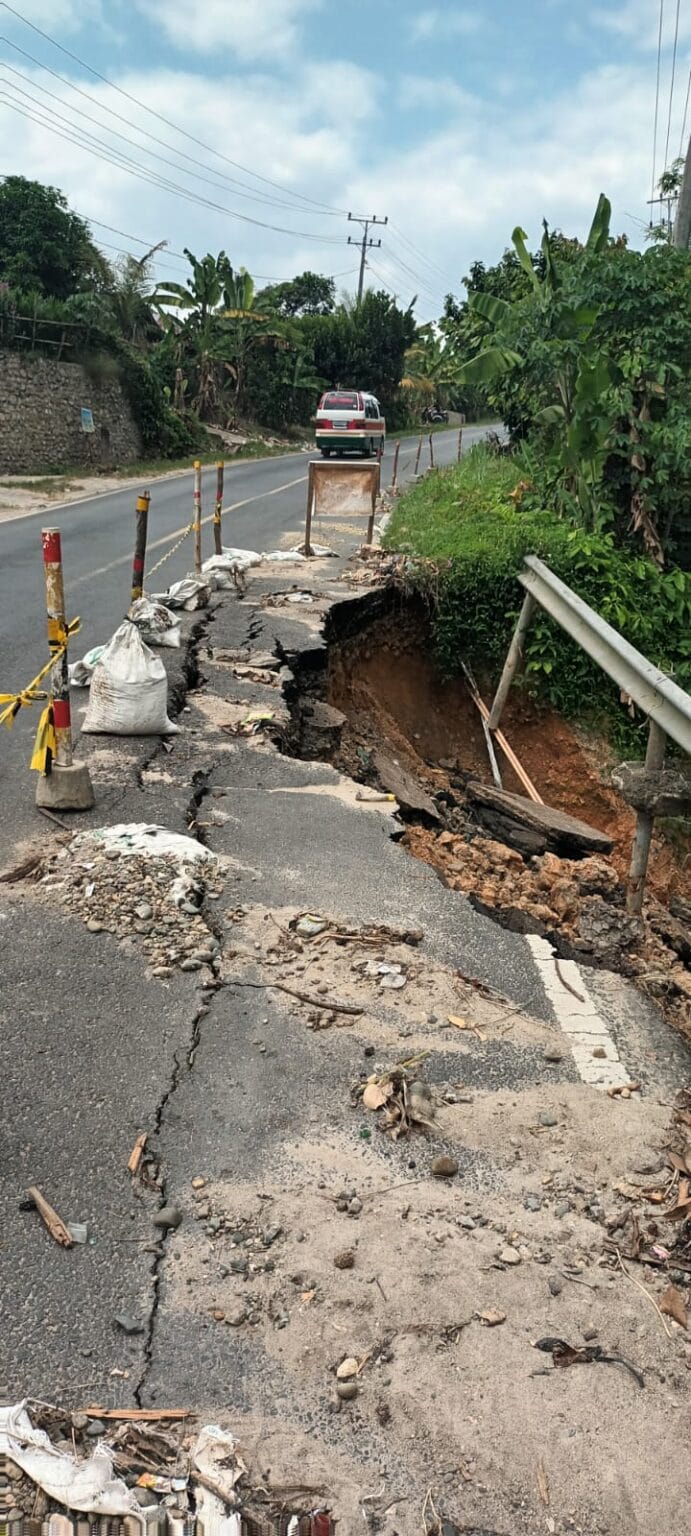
(460, 443)
(139, 561)
(513, 661)
(645, 821)
(307, 550)
(417, 456)
(394, 476)
(218, 509)
(431, 451)
(376, 486)
(198, 516)
(67, 786)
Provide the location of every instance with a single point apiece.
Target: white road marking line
(584, 1027)
(169, 538)
(121, 490)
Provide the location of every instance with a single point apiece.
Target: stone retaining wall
(41, 404)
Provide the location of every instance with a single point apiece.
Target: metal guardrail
(667, 706)
(654, 693)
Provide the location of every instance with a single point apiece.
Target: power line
(657, 99)
(365, 245)
(152, 179)
(257, 197)
(671, 87)
(300, 196)
(420, 255)
(423, 285)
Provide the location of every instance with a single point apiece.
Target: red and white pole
(57, 631)
(218, 509)
(68, 785)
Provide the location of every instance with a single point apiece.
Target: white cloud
(456, 192)
(639, 20)
(435, 93)
(250, 29)
(440, 23)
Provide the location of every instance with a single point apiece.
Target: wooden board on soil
(499, 811)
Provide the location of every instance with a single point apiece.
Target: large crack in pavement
(262, 1141)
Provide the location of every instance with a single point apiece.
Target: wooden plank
(409, 794)
(563, 833)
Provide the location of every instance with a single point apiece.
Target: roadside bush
(470, 536)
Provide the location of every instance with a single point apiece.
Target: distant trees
(44, 247)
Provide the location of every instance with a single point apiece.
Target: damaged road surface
(410, 1211)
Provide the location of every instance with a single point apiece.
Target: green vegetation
(212, 349)
(467, 530)
(585, 353)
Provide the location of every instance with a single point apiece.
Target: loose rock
(169, 1217)
(444, 1167)
(347, 1390)
(345, 1259)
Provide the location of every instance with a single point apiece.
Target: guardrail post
(307, 549)
(218, 509)
(513, 661)
(198, 517)
(645, 821)
(375, 492)
(417, 456)
(431, 451)
(460, 443)
(394, 476)
(138, 563)
(67, 785)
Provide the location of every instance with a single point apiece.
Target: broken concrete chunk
(399, 782)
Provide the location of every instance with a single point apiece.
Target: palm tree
(132, 299)
(432, 366)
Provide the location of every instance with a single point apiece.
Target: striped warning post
(57, 632)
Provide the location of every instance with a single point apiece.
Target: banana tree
(247, 322)
(578, 369)
(298, 374)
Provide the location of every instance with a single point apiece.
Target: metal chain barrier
(170, 552)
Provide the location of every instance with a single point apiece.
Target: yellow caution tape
(44, 748)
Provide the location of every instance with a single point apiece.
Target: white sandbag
(221, 569)
(318, 550)
(129, 690)
(155, 622)
(190, 593)
(284, 557)
(81, 672)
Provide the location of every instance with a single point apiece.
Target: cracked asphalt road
(235, 1088)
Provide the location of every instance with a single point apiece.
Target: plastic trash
(85, 1485)
(81, 672)
(156, 624)
(190, 593)
(129, 690)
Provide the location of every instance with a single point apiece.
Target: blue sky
(456, 120)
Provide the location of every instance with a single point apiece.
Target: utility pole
(365, 245)
(682, 227)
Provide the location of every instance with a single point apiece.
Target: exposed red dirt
(385, 682)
